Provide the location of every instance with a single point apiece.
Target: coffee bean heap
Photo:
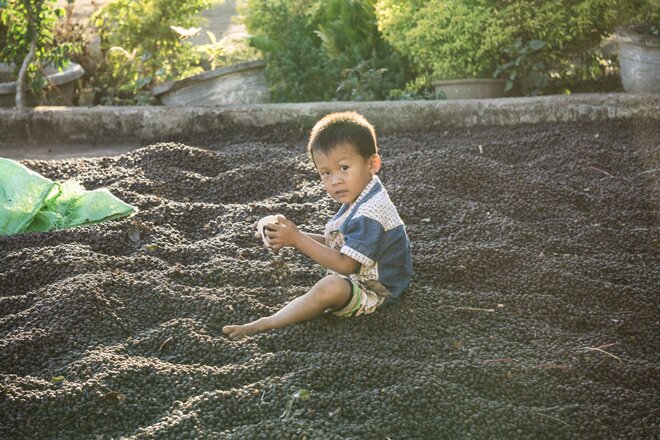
(532, 313)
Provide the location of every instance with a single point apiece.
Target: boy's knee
(335, 283)
(333, 288)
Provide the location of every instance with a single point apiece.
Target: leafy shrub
(449, 39)
(26, 23)
(472, 38)
(140, 48)
(644, 24)
(369, 66)
(643, 16)
(218, 53)
(298, 68)
(571, 31)
(321, 50)
(523, 60)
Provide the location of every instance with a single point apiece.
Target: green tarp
(31, 202)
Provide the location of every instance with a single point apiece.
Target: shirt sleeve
(362, 239)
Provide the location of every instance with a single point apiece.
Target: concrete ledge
(112, 125)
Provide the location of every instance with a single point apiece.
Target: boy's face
(344, 172)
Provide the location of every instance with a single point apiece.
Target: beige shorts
(363, 299)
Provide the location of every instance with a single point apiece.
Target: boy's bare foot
(239, 331)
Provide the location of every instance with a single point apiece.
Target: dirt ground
(533, 312)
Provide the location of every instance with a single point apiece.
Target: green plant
(595, 72)
(521, 56)
(239, 51)
(420, 87)
(644, 24)
(28, 41)
(447, 39)
(363, 82)
(320, 50)
(298, 69)
(141, 49)
(642, 17)
(219, 53)
(369, 66)
(213, 53)
(471, 38)
(571, 31)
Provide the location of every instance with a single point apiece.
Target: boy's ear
(375, 163)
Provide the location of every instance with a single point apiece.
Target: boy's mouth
(341, 193)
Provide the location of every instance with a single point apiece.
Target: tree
(29, 42)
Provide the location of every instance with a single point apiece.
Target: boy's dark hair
(343, 128)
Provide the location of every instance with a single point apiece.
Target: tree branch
(20, 81)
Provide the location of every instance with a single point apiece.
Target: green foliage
(219, 53)
(321, 50)
(571, 31)
(364, 82)
(644, 15)
(298, 69)
(420, 87)
(240, 51)
(20, 22)
(141, 50)
(644, 22)
(348, 31)
(213, 53)
(369, 66)
(523, 60)
(592, 73)
(449, 39)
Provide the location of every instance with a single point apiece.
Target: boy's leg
(331, 292)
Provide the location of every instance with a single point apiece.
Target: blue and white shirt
(371, 232)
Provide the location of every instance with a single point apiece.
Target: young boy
(365, 246)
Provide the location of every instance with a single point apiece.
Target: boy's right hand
(282, 233)
(262, 228)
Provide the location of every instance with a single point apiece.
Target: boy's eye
(344, 167)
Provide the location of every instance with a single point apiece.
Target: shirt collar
(372, 188)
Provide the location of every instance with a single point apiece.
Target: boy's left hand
(284, 233)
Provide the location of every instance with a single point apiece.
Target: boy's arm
(317, 237)
(285, 233)
(327, 257)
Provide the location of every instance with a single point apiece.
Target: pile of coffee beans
(533, 311)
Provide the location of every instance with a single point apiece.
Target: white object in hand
(261, 227)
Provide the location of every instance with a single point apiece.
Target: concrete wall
(111, 125)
